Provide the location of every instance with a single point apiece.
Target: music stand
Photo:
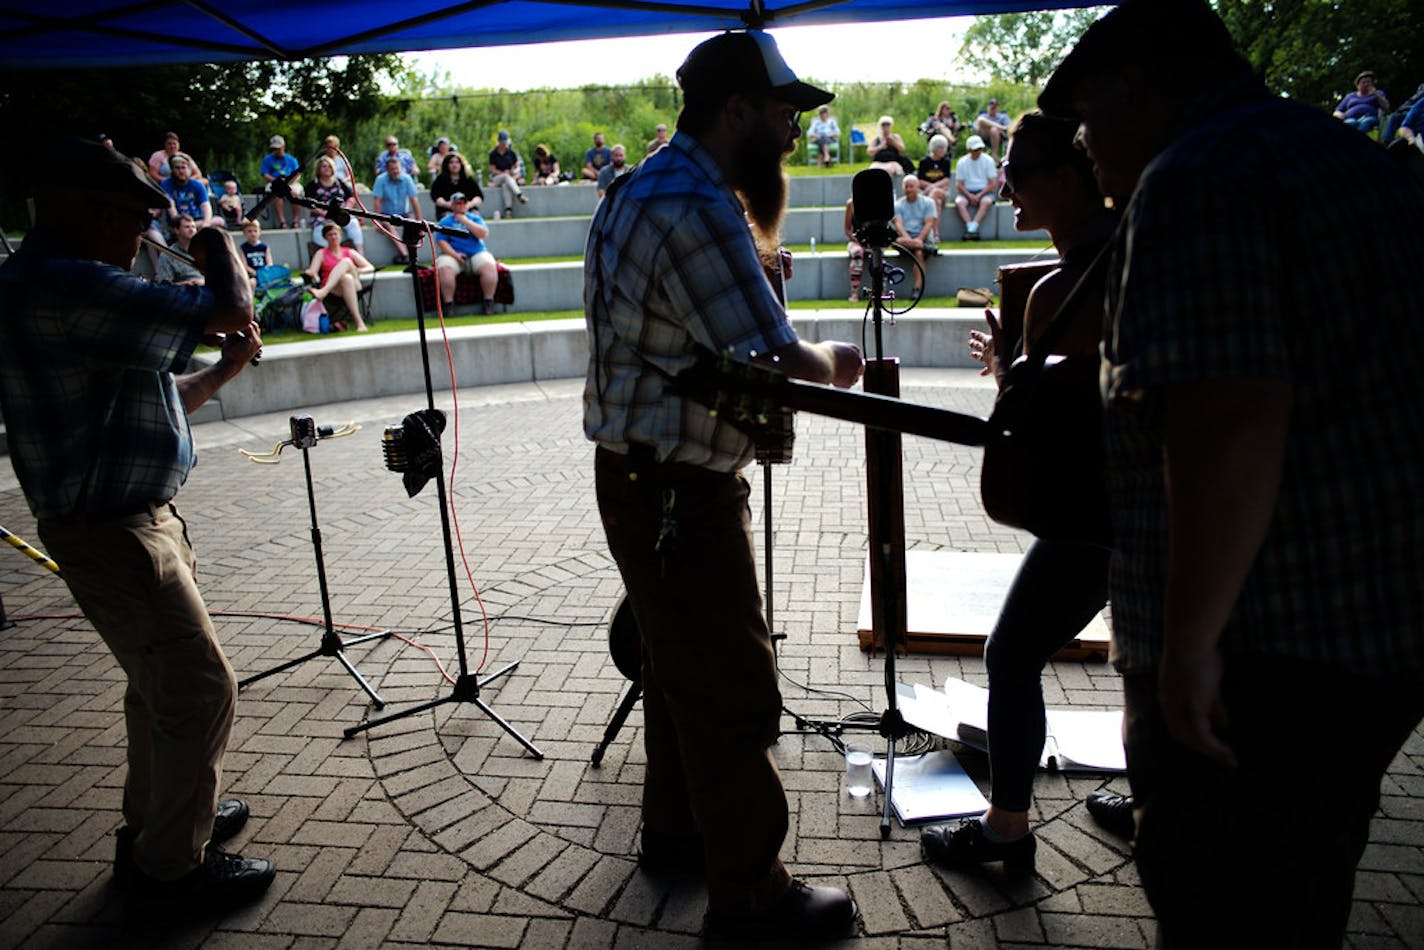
(305, 435)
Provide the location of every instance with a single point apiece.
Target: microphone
(413, 448)
(337, 214)
(277, 188)
(873, 206)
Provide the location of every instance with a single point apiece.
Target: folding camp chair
(276, 299)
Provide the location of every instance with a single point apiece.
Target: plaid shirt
(670, 263)
(1272, 241)
(87, 356)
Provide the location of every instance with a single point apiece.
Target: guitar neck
(710, 380)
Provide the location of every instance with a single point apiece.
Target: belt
(117, 513)
(642, 458)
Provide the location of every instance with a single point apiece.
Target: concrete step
(297, 376)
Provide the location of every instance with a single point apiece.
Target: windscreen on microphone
(872, 196)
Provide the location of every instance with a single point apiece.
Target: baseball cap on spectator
(974, 143)
(1369, 73)
(749, 63)
(458, 197)
(885, 120)
(100, 169)
(503, 136)
(277, 142)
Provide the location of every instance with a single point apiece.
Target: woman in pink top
(336, 269)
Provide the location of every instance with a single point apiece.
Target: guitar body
(624, 643)
(1045, 473)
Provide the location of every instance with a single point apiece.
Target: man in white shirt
(976, 180)
(915, 222)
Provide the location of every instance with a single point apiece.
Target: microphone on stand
(277, 188)
(873, 203)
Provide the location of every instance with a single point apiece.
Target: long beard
(762, 183)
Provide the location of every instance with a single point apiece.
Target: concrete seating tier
(295, 376)
(565, 236)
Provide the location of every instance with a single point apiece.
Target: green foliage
(1024, 48)
(1311, 50)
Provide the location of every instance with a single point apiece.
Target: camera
(303, 432)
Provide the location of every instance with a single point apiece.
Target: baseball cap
(100, 169)
(1144, 33)
(973, 142)
(277, 142)
(746, 62)
(459, 196)
(503, 136)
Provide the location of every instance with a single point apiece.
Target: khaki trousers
(711, 706)
(133, 578)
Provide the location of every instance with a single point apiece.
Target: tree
(1311, 50)
(1024, 48)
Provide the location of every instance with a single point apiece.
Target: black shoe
(523, 198)
(230, 818)
(487, 307)
(802, 913)
(965, 846)
(1112, 811)
(222, 880)
(663, 853)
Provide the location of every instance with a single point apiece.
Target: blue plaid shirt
(1303, 274)
(670, 263)
(87, 356)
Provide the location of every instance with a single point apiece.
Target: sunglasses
(1014, 176)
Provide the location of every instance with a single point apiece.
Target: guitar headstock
(746, 395)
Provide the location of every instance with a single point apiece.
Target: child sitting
(254, 252)
(230, 204)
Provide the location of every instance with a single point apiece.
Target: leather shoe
(230, 818)
(1112, 811)
(965, 846)
(222, 880)
(802, 913)
(662, 853)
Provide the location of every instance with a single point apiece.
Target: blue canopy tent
(100, 33)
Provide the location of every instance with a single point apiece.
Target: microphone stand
(467, 685)
(305, 435)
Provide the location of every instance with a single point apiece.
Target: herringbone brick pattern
(439, 828)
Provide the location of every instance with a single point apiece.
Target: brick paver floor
(439, 828)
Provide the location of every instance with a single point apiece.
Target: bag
(1044, 469)
(980, 297)
(311, 317)
(504, 286)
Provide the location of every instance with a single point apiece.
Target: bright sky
(852, 52)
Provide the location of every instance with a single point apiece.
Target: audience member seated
(255, 252)
(337, 269)
(394, 150)
(170, 269)
(822, 132)
(277, 164)
(230, 204)
(617, 167)
(596, 157)
(186, 195)
(394, 193)
(1396, 118)
(915, 221)
(976, 179)
(158, 162)
(453, 177)
(506, 173)
(936, 173)
(326, 188)
(438, 152)
(1361, 108)
(546, 166)
(993, 125)
(331, 148)
(660, 138)
(854, 251)
(887, 150)
(466, 255)
(1412, 128)
(945, 121)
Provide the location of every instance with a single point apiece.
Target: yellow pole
(29, 552)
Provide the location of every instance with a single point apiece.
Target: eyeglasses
(1014, 176)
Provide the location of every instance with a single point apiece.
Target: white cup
(858, 779)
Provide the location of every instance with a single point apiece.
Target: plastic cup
(858, 778)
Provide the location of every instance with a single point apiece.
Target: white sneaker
(972, 227)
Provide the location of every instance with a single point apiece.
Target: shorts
(471, 265)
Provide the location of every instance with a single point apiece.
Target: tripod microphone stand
(422, 460)
(305, 435)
